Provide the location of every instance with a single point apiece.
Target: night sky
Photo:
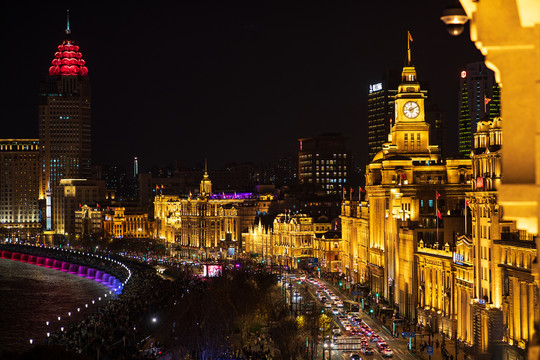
(223, 80)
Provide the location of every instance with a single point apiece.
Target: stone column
(531, 310)
(516, 309)
(524, 312)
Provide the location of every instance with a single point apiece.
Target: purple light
(233, 196)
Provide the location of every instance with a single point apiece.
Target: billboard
(212, 270)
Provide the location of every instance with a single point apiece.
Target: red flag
(98, 206)
(361, 190)
(352, 190)
(486, 100)
(438, 195)
(162, 186)
(410, 36)
(439, 215)
(466, 202)
(157, 187)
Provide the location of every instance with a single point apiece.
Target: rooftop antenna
(68, 30)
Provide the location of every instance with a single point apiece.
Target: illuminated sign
(375, 87)
(212, 270)
(479, 182)
(458, 258)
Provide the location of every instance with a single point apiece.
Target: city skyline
(165, 79)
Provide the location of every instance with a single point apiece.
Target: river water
(30, 295)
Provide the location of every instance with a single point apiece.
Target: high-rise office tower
(380, 116)
(19, 185)
(65, 118)
(324, 162)
(480, 99)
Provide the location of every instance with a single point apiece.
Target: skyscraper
(19, 185)
(380, 114)
(65, 118)
(480, 99)
(324, 162)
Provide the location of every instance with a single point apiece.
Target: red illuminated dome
(68, 60)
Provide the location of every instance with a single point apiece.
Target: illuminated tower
(135, 167)
(414, 204)
(480, 99)
(65, 118)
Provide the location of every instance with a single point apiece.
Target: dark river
(30, 295)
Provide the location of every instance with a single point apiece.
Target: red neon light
(68, 61)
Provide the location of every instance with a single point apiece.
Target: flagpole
(437, 214)
(466, 216)
(408, 48)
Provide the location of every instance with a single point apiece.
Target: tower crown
(68, 60)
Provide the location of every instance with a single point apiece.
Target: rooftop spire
(68, 30)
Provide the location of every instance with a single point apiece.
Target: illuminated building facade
(501, 303)
(88, 222)
(404, 228)
(293, 239)
(119, 223)
(68, 197)
(205, 227)
(19, 186)
(65, 118)
(355, 233)
(477, 83)
(328, 249)
(514, 59)
(324, 162)
(414, 196)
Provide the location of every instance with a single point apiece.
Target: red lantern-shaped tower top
(68, 60)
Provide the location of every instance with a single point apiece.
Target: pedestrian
(437, 343)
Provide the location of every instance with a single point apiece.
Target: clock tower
(410, 134)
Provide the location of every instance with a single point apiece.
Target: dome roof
(68, 60)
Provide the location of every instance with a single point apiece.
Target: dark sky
(179, 80)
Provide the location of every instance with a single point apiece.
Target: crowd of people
(116, 329)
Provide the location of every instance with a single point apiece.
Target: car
(335, 311)
(355, 356)
(339, 304)
(337, 335)
(387, 352)
(364, 344)
(336, 330)
(328, 305)
(374, 337)
(382, 345)
(368, 351)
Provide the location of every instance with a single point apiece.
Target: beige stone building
(293, 240)
(203, 227)
(502, 303)
(414, 195)
(508, 35)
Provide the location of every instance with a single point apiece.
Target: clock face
(411, 109)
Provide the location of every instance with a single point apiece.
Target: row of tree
(217, 317)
